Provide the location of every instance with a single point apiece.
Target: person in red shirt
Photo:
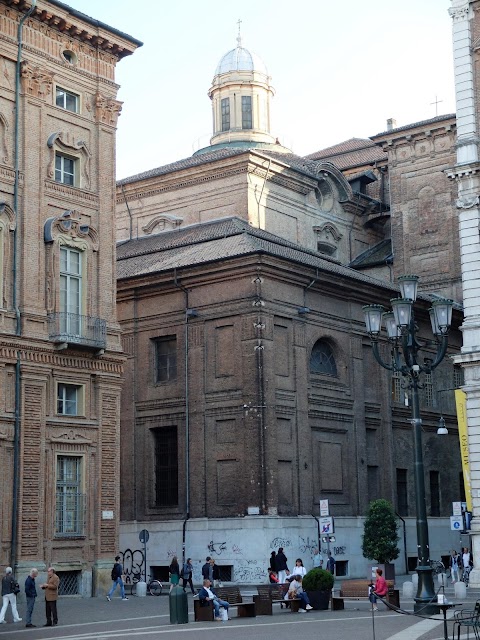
(380, 589)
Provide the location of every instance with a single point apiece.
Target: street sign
(457, 508)
(143, 536)
(326, 525)
(326, 539)
(456, 523)
(324, 508)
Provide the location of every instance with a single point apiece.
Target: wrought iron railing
(70, 514)
(73, 328)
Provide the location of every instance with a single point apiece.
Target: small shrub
(318, 580)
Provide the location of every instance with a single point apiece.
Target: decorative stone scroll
(36, 81)
(107, 109)
(65, 142)
(162, 222)
(467, 202)
(69, 225)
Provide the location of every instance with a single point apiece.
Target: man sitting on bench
(207, 594)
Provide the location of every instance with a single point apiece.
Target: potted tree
(318, 584)
(380, 537)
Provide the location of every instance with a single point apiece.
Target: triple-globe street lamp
(402, 333)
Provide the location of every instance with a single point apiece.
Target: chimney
(391, 124)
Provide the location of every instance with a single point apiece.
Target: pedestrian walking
(331, 563)
(455, 562)
(10, 589)
(282, 567)
(31, 594)
(187, 572)
(174, 570)
(117, 578)
(51, 596)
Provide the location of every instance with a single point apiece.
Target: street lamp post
(405, 347)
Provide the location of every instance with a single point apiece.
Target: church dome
(240, 59)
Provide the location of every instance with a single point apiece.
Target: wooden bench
(233, 597)
(270, 594)
(358, 590)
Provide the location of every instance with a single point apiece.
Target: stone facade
(60, 351)
(466, 177)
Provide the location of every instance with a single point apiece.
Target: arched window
(322, 359)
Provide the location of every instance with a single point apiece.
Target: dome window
(247, 112)
(225, 114)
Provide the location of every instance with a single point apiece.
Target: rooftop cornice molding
(69, 21)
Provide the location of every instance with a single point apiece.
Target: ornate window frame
(7, 227)
(324, 340)
(68, 230)
(65, 144)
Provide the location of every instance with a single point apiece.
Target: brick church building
(251, 389)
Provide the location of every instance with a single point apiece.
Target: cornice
(31, 354)
(65, 22)
(71, 194)
(174, 185)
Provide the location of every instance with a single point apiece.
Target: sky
(339, 69)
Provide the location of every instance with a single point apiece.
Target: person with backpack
(117, 573)
(187, 575)
(10, 589)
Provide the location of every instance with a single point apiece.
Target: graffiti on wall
(133, 563)
(248, 571)
(306, 545)
(276, 543)
(217, 547)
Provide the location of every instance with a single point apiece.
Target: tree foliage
(380, 537)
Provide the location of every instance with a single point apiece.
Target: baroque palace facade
(251, 388)
(60, 351)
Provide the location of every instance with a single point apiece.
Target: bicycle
(437, 567)
(154, 586)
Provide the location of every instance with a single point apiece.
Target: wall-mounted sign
(107, 515)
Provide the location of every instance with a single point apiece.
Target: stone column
(467, 175)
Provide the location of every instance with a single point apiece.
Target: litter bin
(178, 606)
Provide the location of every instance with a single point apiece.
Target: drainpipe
(18, 330)
(187, 420)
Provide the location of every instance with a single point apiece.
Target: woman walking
(281, 565)
(187, 575)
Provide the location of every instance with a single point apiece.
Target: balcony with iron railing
(74, 329)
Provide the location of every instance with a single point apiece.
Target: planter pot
(319, 599)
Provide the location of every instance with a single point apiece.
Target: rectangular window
(372, 483)
(435, 494)
(397, 395)
(246, 112)
(70, 501)
(69, 399)
(458, 380)
(67, 100)
(166, 466)
(402, 492)
(166, 359)
(427, 391)
(225, 114)
(70, 291)
(65, 169)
